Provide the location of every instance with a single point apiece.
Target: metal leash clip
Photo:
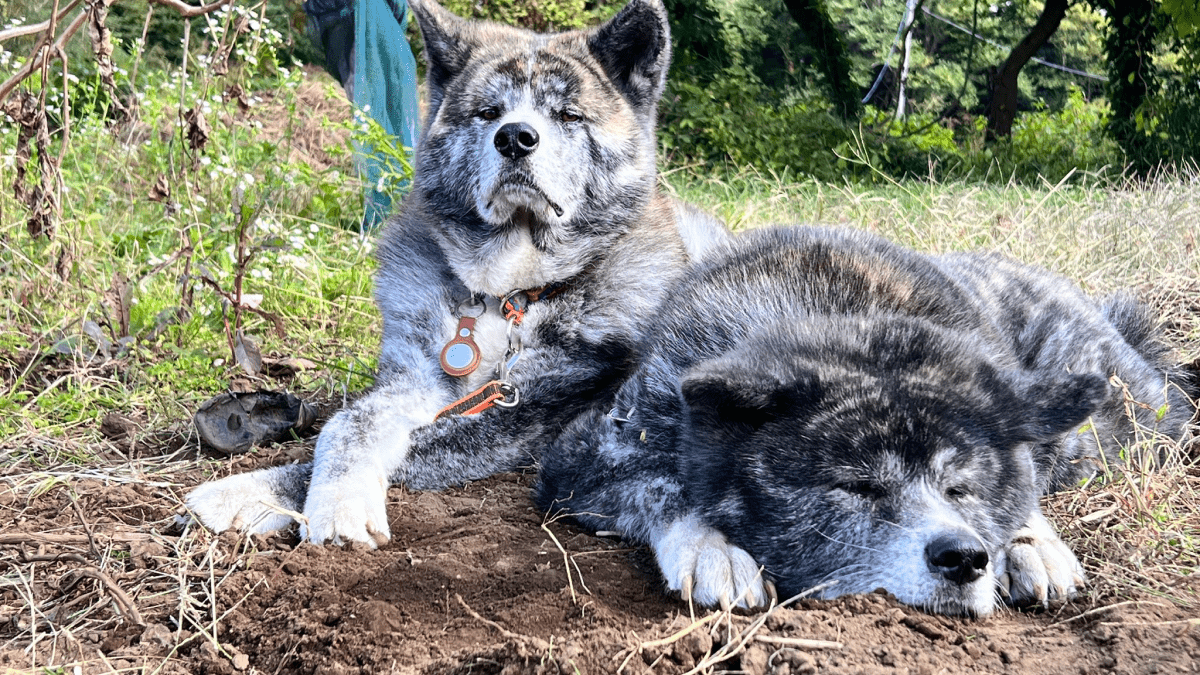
(512, 395)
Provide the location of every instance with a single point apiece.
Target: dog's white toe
(350, 508)
(1039, 568)
(697, 560)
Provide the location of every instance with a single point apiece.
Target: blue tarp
(385, 84)
(366, 49)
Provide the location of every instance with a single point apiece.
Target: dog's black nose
(959, 557)
(516, 139)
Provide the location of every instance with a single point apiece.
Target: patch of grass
(1102, 234)
(174, 236)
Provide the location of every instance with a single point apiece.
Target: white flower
(295, 261)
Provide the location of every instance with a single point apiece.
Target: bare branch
(32, 29)
(189, 11)
(42, 56)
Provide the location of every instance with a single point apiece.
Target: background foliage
(748, 87)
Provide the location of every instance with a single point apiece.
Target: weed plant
(222, 214)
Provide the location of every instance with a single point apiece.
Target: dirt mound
(475, 580)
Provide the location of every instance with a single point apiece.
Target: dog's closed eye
(862, 488)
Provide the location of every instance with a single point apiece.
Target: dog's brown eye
(489, 114)
(569, 117)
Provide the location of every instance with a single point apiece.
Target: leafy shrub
(543, 15)
(733, 119)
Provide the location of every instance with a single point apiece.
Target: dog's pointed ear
(634, 48)
(1051, 408)
(447, 45)
(738, 398)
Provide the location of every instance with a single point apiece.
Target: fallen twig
(797, 643)
(682, 633)
(55, 557)
(86, 528)
(535, 641)
(566, 563)
(122, 599)
(34, 538)
(1099, 610)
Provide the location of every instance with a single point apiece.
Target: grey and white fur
(536, 166)
(850, 415)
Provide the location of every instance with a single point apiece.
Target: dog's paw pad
(350, 509)
(1039, 567)
(699, 562)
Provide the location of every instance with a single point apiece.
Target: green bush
(544, 15)
(733, 119)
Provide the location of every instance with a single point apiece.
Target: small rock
(1010, 655)
(925, 628)
(754, 660)
(118, 427)
(241, 661)
(157, 635)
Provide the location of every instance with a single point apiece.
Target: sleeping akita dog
(853, 415)
(515, 281)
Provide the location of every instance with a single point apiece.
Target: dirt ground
(101, 577)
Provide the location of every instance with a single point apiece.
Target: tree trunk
(1003, 107)
(813, 17)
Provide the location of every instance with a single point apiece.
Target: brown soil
(474, 581)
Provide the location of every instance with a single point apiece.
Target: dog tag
(461, 355)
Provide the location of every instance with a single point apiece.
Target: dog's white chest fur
(506, 262)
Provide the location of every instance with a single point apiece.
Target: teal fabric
(385, 84)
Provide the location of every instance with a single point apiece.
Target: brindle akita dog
(523, 266)
(854, 415)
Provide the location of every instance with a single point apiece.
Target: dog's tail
(1136, 322)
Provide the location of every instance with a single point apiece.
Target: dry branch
(120, 597)
(535, 641)
(35, 538)
(41, 55)
(797, 643)
(189, 11)
(36, 28)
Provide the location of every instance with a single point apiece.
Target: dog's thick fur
(845, 411)
(536, 166)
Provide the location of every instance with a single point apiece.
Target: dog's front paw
(698, 561)
(1039, 568)
(352, 507)
(256, 502)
